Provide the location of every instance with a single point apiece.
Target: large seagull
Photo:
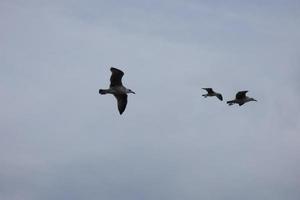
(240, 98)
(117, 89)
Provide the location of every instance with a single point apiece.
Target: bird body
(212, 93)
(241, 98)
(117, 89)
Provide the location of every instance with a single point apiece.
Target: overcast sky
(59, 139)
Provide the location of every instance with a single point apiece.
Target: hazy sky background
(59, 139)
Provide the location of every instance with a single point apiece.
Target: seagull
(240, 98)
(117, 89)
(211, 93)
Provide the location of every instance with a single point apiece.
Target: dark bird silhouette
(212, 93)
(117, 89)
(240, 98)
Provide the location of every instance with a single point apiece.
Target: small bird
(211, 93)
(240, 98)
(117, 89)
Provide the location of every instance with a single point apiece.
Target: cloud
(61, 140)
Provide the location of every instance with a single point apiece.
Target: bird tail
(230, 103)
(204, 95)
(101, 91)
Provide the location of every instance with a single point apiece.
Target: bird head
(130, 91)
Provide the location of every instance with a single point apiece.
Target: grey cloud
(61, 140)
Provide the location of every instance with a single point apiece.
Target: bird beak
(132, 92)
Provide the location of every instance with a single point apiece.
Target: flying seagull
(211, 93)
(240, 98)
(117, 89)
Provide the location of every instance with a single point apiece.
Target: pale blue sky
(61, 140)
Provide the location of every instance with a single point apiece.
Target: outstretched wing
(241, 94)
(116, 77)
(219, 96)
(122, 102)
(209, 90)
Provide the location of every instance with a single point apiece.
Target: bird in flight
(117, 89)
(240, 98)
(211, 93)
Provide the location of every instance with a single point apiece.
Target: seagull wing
(116, 77)
(241, 94)
(219, 96)
(122, 102)
(209, 90)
